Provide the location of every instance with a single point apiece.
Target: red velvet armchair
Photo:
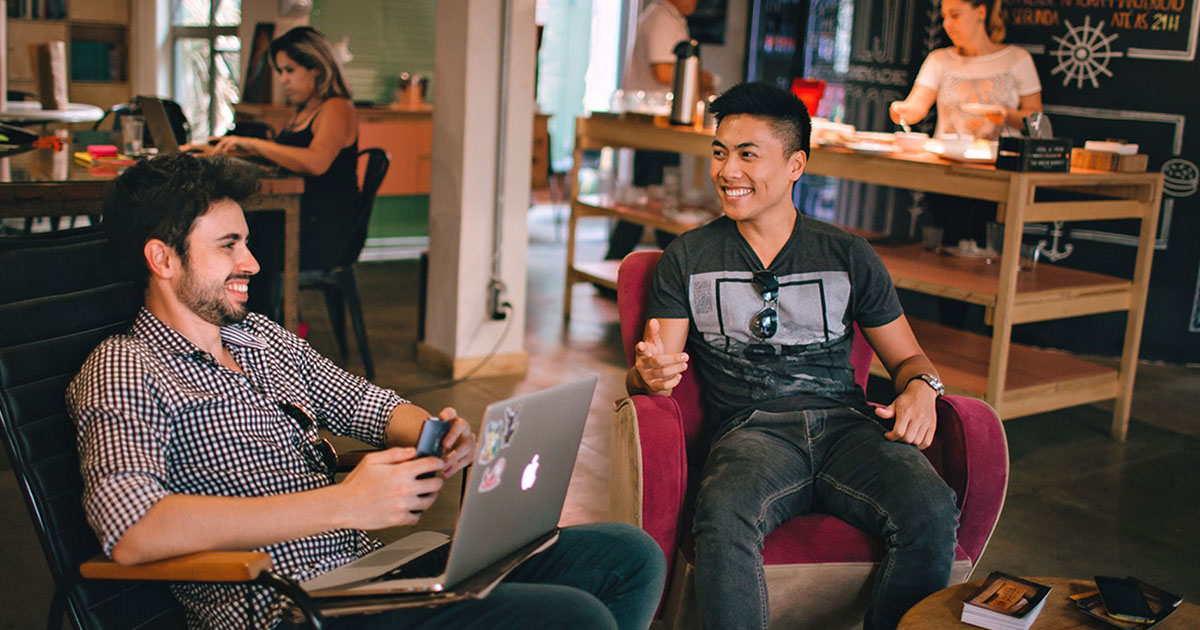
(818, 567)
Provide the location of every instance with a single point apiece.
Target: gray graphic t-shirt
(828, 279)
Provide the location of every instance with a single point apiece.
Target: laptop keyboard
(432, 563)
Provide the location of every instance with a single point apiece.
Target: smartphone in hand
(433, 431)
(1124, 599)
(429, 444)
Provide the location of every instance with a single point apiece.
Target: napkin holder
(1020, 153)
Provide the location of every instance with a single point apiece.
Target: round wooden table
(944, 608)
(32, 112)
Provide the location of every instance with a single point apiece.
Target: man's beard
(209, 303)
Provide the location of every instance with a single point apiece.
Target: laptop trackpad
(377, 562)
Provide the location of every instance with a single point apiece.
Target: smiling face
(299, 83)
(218, 265)
(752, 170)
(965, 24)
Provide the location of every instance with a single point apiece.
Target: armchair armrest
(971, 453)
(649, 467)
(206, 566)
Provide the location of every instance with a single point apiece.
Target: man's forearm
(404, 425)
(180, 524)
(909, 369)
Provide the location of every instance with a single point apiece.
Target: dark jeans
(603, 575)
(773, 466)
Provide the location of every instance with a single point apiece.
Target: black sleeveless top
(328, 208)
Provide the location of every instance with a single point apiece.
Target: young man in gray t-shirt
(765, 299)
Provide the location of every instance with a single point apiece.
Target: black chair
(59, 297)
(339, 281)
(175, 116)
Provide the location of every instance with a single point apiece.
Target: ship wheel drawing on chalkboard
(1084, 52)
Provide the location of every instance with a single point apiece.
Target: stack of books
(1005, 602)
(1162, 604)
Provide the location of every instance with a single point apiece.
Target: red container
(809, 91)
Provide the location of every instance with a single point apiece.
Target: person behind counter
(650, 69)
(976, 74)
(320, 142)
(976, 70)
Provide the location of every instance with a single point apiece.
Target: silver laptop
(159, 125)
(515, 493)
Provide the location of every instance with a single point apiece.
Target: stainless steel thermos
(686, 87)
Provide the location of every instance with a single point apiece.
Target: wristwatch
(930, 380)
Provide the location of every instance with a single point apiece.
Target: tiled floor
(1079, 504)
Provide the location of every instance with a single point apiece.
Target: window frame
(210, 32)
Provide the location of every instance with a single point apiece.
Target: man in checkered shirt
(196, 432)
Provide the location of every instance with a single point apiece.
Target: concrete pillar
(459, 329)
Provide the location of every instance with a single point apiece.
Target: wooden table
(44, 182)
(944, 608)
(1017, 381)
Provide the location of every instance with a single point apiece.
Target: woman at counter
(320, 142)
(982, 87)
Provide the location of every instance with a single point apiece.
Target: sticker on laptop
(510, 424)
(490, 443)
(491, 476)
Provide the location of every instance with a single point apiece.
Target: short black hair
(787, 113)
(162, 197)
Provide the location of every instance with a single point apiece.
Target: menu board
(1116, 69)
(1123, 69)
(1084, 36)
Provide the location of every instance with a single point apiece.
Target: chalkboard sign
(1109, 69)
(1117, 69)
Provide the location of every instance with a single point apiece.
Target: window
(206, 62)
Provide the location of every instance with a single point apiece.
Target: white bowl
(910, 141)
(956, 143)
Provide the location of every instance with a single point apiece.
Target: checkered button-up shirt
(156, 415)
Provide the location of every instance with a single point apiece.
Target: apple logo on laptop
(529, 477)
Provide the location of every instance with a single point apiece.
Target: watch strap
(932, 381)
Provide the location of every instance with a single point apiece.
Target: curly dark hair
(161, 198)
(787, 114)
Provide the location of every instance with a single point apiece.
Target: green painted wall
(387, 37)
(400, 216)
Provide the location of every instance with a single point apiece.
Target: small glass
(995, 241)
(931, 236)
(671, 188)
(132, 128)
(1029, 255)
(616, 103)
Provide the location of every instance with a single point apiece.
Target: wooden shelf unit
(1016, 380)
(104, 21)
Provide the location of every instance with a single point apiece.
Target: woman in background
(983, 88)
(976, 70)
(320, 142)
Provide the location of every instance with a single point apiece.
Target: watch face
(933, 382)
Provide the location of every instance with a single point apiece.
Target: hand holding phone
(433, 431)
(429, 444)
(1124, 599)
